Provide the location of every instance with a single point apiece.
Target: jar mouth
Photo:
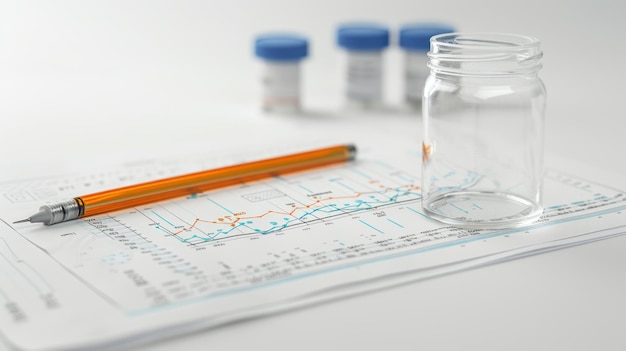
(484, 54)
(485, 41)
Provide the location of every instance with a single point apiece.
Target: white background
(93, 82)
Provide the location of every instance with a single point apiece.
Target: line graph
(273, 209)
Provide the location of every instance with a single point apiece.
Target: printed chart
(218, 253)
(275, 230)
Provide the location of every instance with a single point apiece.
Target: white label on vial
(416, 71)
(364, 76)
(281, 85)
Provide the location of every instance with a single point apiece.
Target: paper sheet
(160, 270)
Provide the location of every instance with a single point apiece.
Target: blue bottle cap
(363, 37)
(281, 47)
(417, 36)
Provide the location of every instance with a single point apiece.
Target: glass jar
(483, 116)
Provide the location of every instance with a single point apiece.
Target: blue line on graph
(418, 212)
(371, 226)
(158, 227)
(222, 207)
(458, 208)
(328, 209)
(396, 223)
(188, 239)
(449, 174)
(166, 221)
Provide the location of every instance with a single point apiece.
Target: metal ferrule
(351, 151)
(62, 211)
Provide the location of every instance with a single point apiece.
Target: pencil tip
(22, 221)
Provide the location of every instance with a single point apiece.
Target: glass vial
(280, 72)
(483, 117)
(364, 45)
(414, 40)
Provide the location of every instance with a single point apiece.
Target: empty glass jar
(483, 117)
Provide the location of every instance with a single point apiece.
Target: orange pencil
(158, 190)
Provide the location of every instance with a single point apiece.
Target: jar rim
(484, 54)
(485, 41)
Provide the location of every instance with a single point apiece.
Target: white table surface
(92, 82)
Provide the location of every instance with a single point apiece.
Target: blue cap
(417, 36)
(363, 37)
(281, 47)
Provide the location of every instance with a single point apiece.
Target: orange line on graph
(290, 213)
